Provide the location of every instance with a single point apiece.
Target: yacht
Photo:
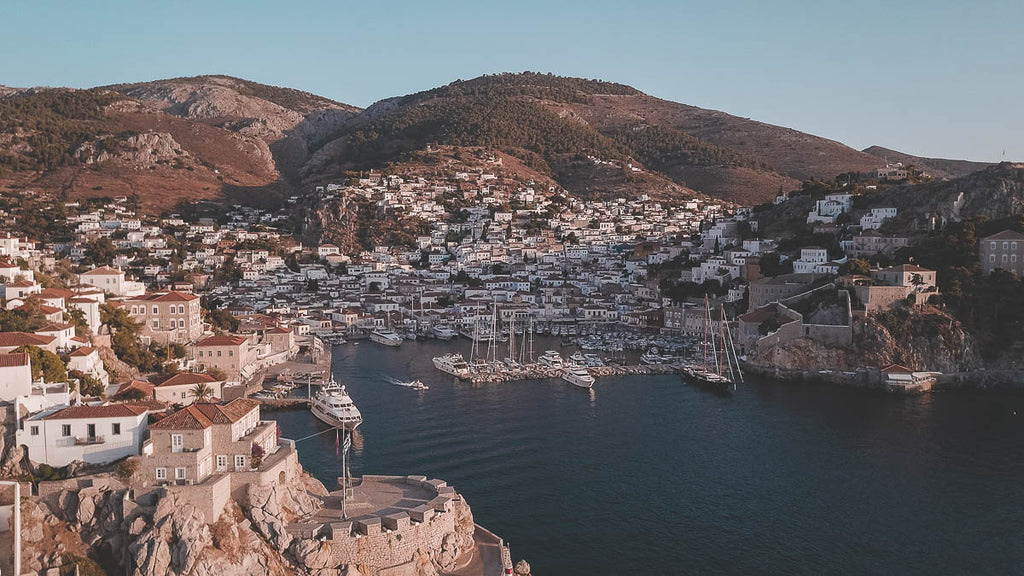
(577, 359)
(453, 364)
(418, 385)
(386, 337)
(332, 405)
(578, 376)
(444, 332)
(552, 359)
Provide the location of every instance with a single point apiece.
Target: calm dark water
(648, 476)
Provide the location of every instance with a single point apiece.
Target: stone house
(235, 356)
(1002, 250)
(200, 440)
(168, 317)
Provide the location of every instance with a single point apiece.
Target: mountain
(216, 137)
(555, 123)
(936, 167)
(186, 139)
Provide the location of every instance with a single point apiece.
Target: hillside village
(117, 327)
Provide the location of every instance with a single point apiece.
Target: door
(92, 431)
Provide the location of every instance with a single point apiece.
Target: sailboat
(721, 368)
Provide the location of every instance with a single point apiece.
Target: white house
(178, 388)
(111, 280)
(873, 219)
(809, 259)
(15, 376)
(94, 434)
(87, 360)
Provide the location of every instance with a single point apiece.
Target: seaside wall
(395, 544)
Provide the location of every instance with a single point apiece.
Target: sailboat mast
(724, 328)
(512, 338)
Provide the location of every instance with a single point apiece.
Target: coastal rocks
(174, 541)
(272, 506)
(312, 554)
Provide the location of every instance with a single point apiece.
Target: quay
(283, 403)
(540, 372)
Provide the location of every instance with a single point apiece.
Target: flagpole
(344, 477)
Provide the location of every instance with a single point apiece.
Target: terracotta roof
(14, 359)
(185, 378)
(83, 351)
(24, 339)
(172, 296)
(102, 271)
(104, 411)
(228, 413)
(55, 327)
(141, 385)
(55, 293)
(222, 341)
(896, 369)
(188, 418)
(21, 284)
(1005, 235)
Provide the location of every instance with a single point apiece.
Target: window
(179, 473)
(202, 468)
(33, 430)
(156, 323)
(161, 473)
(155, 310)
(65, 430)
(231, 352)
(992, 245)
(183, 395)
(1006, 245)
(1013, 245)
(992, 258)
(239, 461)
(177, 443)
(222, 462)
(218, 353)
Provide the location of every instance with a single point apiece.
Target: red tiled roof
(82, 351)
(896, 369)
(141, 385)
(188, 418)
(1005, 235)
(55, 327)
(186, 378)
(102, 271)
(228, 413)
(168, 297)
(24, 339)
(14, 359)
(104, 411)
(222, 341)
(21, 284)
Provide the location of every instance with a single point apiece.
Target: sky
(930, 78)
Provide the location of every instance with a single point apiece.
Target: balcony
(80, 441)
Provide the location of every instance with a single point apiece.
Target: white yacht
(577, 359)
(444, 332)
(453, 364)
(552, 359)
(386, 337)
(332, 405)
(578, 376)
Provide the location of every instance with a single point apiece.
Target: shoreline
(977, 380)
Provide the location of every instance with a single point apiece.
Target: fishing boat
(453, 364)
(578, 376)
(386, 337)
(332, 405)
(721, 368)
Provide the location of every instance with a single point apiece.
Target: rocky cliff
(928, 340)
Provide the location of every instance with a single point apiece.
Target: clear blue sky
(933, 78)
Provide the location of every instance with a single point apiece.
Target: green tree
(856, 266)
(45, 364)
(100, 251)
(201, 392)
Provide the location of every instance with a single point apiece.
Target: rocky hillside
(216, 137)
(167, 141)
(939, 168)
(556, 123)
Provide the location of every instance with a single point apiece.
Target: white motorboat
(578, 376)
(333, 406)
(453, 364)
(386, 337)
(552, 359)
(444, 332)
(577, 359)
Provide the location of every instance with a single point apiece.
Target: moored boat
(332, 405)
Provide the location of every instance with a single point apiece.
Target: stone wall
(400, 544)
